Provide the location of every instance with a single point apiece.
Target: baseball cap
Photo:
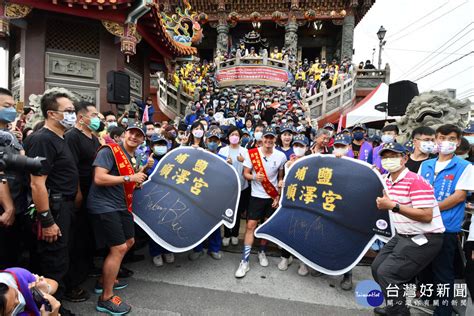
(287, 128)
(155, 138)
(409, 146)
(360, 126)
(394, 147)
(214, 133)
(137, 126)
(469, 128)
(269, 131)
(330, 125)
(340, 227)
(342, 139)
(300, 139)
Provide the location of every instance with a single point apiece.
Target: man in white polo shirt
(263, 166)
(417, 220)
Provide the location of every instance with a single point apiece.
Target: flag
(145, 117)
(339, 125)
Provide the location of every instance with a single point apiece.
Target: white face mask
(427, 147)
(342, 151)
(387, 139)
(447, 147)
(69, 120)
(21, 305)
(258, 135)
(198, 133)
(392, 164)
(299, 151)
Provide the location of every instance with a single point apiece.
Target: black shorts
(113, 228)
(259, 209)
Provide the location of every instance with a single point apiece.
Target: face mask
(299, 151)
(358, 135)
(94, 124)
(125, 120)
(198, 133)
(160, 150)
(387, 139)
(256, 117)
(212, 146)
(69, 120)
(234, 139)
(21, 306)
(299, 112)
(447, 147)
(427, 147)
(258, 135)
(340, 151)
(156, 130)
(245, 140)
(470, 139)
(8, 115)
(112, 124)
(392, 164)
(283, 121)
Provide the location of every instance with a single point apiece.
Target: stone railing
(265, 61)
(328, 101)
(370, 79)
(172, 101)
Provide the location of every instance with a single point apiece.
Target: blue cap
(287, 128)
(375, 138)
(395, 147)
(330, 125)
(269, 131)
(409, 146)
(300, 139)
(342, 139)
(214, 133)
(360, 126)
(156, 138)
(137, 126)
(469, 128)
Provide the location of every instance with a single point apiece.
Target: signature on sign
(170, 216)
(297, 224)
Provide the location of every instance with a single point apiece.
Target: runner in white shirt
(261, 205)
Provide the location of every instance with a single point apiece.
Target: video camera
(11, 161)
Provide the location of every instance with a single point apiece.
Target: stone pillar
(291, 36)
(347, 36)
(223, 38)
(323, 52)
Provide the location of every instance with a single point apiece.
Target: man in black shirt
(424, 145)
(83, 145)
(54, 188)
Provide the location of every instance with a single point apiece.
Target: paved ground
(208, 287)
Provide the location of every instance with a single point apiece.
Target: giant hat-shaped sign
(328, 216)
(190, 194)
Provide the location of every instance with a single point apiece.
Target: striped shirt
(413, 191)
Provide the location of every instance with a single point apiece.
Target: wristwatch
(126, 178)
(396, 208)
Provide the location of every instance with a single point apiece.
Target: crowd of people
(77, 206)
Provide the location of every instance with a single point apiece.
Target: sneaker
(195, 255)
(117, 286)
(243, 269)
(76, 295)
(234, 241)
(303, 270)
(113, 306)
(216, 255)
(169, 257)
(346, 283)
(158, 261)
(284, 263)
(225, 241)
(124, 273)
(262, 259)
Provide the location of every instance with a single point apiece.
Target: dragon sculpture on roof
(183, 25)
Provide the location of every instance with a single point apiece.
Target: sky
(422, 36)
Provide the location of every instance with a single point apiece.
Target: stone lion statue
(433, 109)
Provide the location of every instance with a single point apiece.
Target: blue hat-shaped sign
(328, 216)
(190, 194)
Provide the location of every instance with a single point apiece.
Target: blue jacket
(444, 185)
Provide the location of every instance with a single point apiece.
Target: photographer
(12, 193)
(23, 293)
(54, 187)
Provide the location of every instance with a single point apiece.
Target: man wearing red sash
(263, 166)
(110, 203)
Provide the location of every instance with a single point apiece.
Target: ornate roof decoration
(101, 4)
(183, 26)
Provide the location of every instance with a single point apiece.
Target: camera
(40, 300)
(11, 161)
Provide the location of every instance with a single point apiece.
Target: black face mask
(101, 127)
